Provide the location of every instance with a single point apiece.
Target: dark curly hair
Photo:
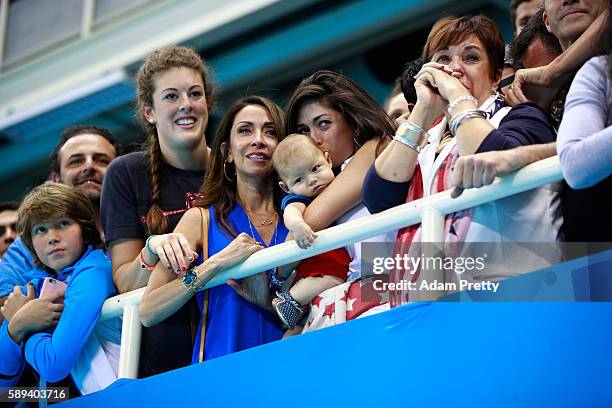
(77, 130)
(534, 29)
(407, 79)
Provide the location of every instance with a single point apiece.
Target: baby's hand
(304, 236)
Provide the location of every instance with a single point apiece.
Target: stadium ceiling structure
(253, 46)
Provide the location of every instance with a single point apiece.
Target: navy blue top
(294, 198)
(232, 323)
(525, 124)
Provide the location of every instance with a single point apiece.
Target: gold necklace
(267, 221)
(273, 235)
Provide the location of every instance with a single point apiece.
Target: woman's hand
(237, 251)
(254, 288)
(435, 85)
(428, 95)
(444, 80)
(36, 315)
(16, 300)
(173, 251)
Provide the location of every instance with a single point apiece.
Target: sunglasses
(505, 82)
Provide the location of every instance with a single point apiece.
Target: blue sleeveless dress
(232, 323)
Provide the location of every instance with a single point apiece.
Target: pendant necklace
(275, 230)
(269, 271)
(265, 222)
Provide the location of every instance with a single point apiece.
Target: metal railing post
(131, 331)
(432, 247)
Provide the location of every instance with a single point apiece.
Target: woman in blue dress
(242, 201)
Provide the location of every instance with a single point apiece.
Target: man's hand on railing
(477, 170)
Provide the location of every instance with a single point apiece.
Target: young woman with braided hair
(146, 193)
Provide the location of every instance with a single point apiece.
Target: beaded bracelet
(145, 266)
(461, 116)
(148, 247)
(276, 280)
(460, 99)
(411, 135)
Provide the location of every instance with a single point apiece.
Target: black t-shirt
(126, 199)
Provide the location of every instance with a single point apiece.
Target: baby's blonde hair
(292, 149)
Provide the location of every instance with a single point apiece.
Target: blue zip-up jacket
(53, 355)
(17, 268)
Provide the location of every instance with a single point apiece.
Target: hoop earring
(356, 142)
(225, 172)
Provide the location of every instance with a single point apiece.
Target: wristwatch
(190, 280)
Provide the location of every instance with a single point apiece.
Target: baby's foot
(289, 311)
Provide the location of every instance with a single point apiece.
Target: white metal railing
(429, 211)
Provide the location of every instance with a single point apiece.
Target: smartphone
(52, 286)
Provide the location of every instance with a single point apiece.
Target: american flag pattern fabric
(345, 302)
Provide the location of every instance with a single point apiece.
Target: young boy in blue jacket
(57, 224)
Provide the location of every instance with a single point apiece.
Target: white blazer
(530, 217)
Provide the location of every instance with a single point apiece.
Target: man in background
(8, 219)
(520, 12)
(79, 159)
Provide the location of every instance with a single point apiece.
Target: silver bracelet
(460, 99)
(458, 119)
(411, 135)
(408, 143)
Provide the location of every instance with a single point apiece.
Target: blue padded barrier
(468, 354)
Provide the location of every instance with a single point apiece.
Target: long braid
(156, 222)
(156, 63)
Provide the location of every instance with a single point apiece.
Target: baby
(305, 171)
